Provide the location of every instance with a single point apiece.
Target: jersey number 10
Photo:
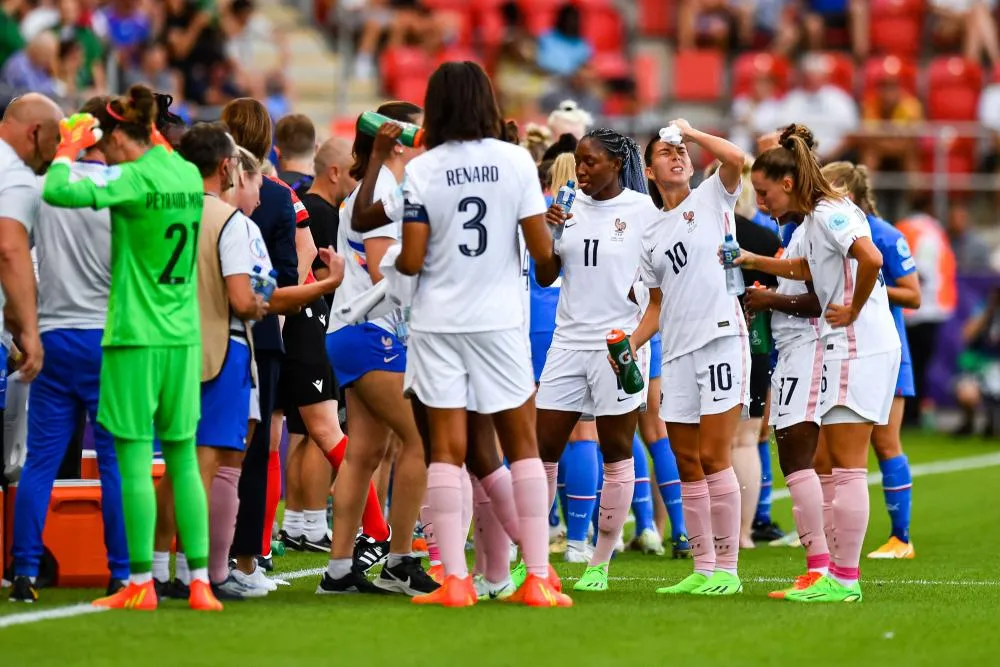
(180, 231)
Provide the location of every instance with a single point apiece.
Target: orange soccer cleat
(436, 572)
(454, 592)
(141, 597)
(202, 598)
(802, 582)
(539, 592)
(554, 581)
(419, 545)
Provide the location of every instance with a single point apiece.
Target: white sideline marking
(918, 470)
(924, 469)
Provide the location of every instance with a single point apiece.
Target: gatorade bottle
(760, 330)
(370, 122)
(629, 375)
(564, 198)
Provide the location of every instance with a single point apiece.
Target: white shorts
(709, 381)
(583, 381)
(445, 369)
(866, 386)
(795, 386)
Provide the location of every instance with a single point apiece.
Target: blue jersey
(543, 303)
(897, 262)
(766, 221)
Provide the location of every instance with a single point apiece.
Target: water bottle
(760, 330)
(629, 375)
(734, 275)
(564, 198)
(264, 284)
(401, 323)
(370, 122)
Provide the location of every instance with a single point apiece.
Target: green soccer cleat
(519, 574)
(687, 585)
(720, 583)
(594, 579)
(827, 589)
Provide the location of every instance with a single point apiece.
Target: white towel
(387, 298)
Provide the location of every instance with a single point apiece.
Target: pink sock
(850, 516)
(444, 497)
(433, 554)
(551, 474)
(466, 503)
(224, 503)
(829, 529)
(480, 504)
(724, 493)
(697, 508)
(807, 508)
(491, 539)
(498, 487)
(529, 483)
(616, 496)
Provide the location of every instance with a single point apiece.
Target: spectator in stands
(828, 110)
(979, 383)
(972, 22)
(718, 23)
(68, 66)
(536, 141)
(562, 50)
(129, 27)
(153, 69)
(518, 81)
(406, 22)
(758, 112)
(67, 21)
(820, 16)
(195, 45)
(989, 117)
(972, 252)
(11, 41)
(295, 143)
(569, 118)
(582, 87)
(32, 68)
(886, 109)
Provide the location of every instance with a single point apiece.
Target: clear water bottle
(564, 198)
(734, 274)
(264, 283)
(401, 323)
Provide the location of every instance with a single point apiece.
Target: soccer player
(150, 373)
(706, 355)
(464, 199)
(903, 288)
(74, 277)
(369, 359)
(862, 349)
(599, 256)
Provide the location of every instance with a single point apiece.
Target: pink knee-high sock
(529, 483)
(697, 506)
(501, 492)
(807, 508)
(724, 492)
(850, 516)
(223, 506)
(616, 496)
(444, 498)
(551, 475)
(433, 553)
(491, 538)
(829, 528)
(467, 502)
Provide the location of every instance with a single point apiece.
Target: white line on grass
(919, 470)
(924, 469)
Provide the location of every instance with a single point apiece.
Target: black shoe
(406, 577)
(321, 545)
(224, 595)
(171, 590)
(115, 585)
(266, 563)
(23, 591)
(766, 531)
(352, 582)
(369, 552)
(294, 543)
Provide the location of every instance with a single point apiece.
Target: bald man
(29, 134)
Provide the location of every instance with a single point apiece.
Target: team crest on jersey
(837, 222)
(620, 227)
(258, 249)
(387, 342)
(689, 219)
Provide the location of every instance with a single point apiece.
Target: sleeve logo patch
(902, 247)
(837, 221)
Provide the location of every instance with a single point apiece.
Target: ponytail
(855, 180)
(563, 169)
(794, 157)
(631, 175)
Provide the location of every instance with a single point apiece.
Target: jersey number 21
(180, 232)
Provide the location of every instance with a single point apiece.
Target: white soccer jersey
(601, 250)
(241, 247)
(352, 245)
(829, 233)
(790, 331)
(472, 194)
(683, 261)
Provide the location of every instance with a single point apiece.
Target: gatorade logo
(625, 358)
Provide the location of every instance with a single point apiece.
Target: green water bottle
(370, 122)
(629, 375)
(760, 330)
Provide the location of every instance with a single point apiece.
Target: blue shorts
(655, 356)
(904, 383)
(225, 402)
(540, 343)
(3, 377)
(362, 348)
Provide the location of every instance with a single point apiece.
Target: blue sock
(764, 503)
(580, 459)
(642, 501)
(596, 513)
(561, 486)
(669, 480)
(897, 485)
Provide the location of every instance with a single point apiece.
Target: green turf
(918, 612)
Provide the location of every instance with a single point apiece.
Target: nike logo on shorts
(784, 414)
(389, 359)
(717, 399)
(568, 225)
(319, 385)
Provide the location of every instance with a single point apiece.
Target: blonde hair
(794, 158)
(746, 204)
(563, 169)
(247, 164)
(855, 181)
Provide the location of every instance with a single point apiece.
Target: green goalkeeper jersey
(155, 205)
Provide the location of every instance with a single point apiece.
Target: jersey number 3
(478, 207)
(180, 231)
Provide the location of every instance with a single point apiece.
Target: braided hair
(617, 145)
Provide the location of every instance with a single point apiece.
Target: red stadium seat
(656, 17)
(457, 53)
(490, 29)
(698, 76)
(403, 64)
(896, 26)
(902, 68)
(603, 28)
(610, 65)
(953, 87)
(748, 65)
(539, 19)
(841, 69)
(648, 78)
(411, 90)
